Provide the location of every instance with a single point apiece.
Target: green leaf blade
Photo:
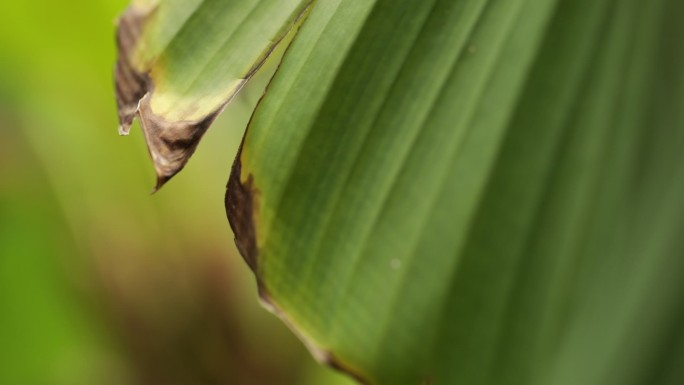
(439, 212)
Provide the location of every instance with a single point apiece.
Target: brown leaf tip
(170, 144)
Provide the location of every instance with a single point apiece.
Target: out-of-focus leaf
(44, 330)
(475, 192)
(181, 61)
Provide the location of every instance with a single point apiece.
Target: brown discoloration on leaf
(320, 354)
(334, 363)
(170, 143)
(131, 83)
(240, 206)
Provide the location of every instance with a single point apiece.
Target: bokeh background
(100, 281)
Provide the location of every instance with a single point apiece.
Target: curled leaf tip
(170, 143)
(175, 112)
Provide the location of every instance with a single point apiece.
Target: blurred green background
(101, 282)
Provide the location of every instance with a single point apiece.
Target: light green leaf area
(475, 192)
(199, 53)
